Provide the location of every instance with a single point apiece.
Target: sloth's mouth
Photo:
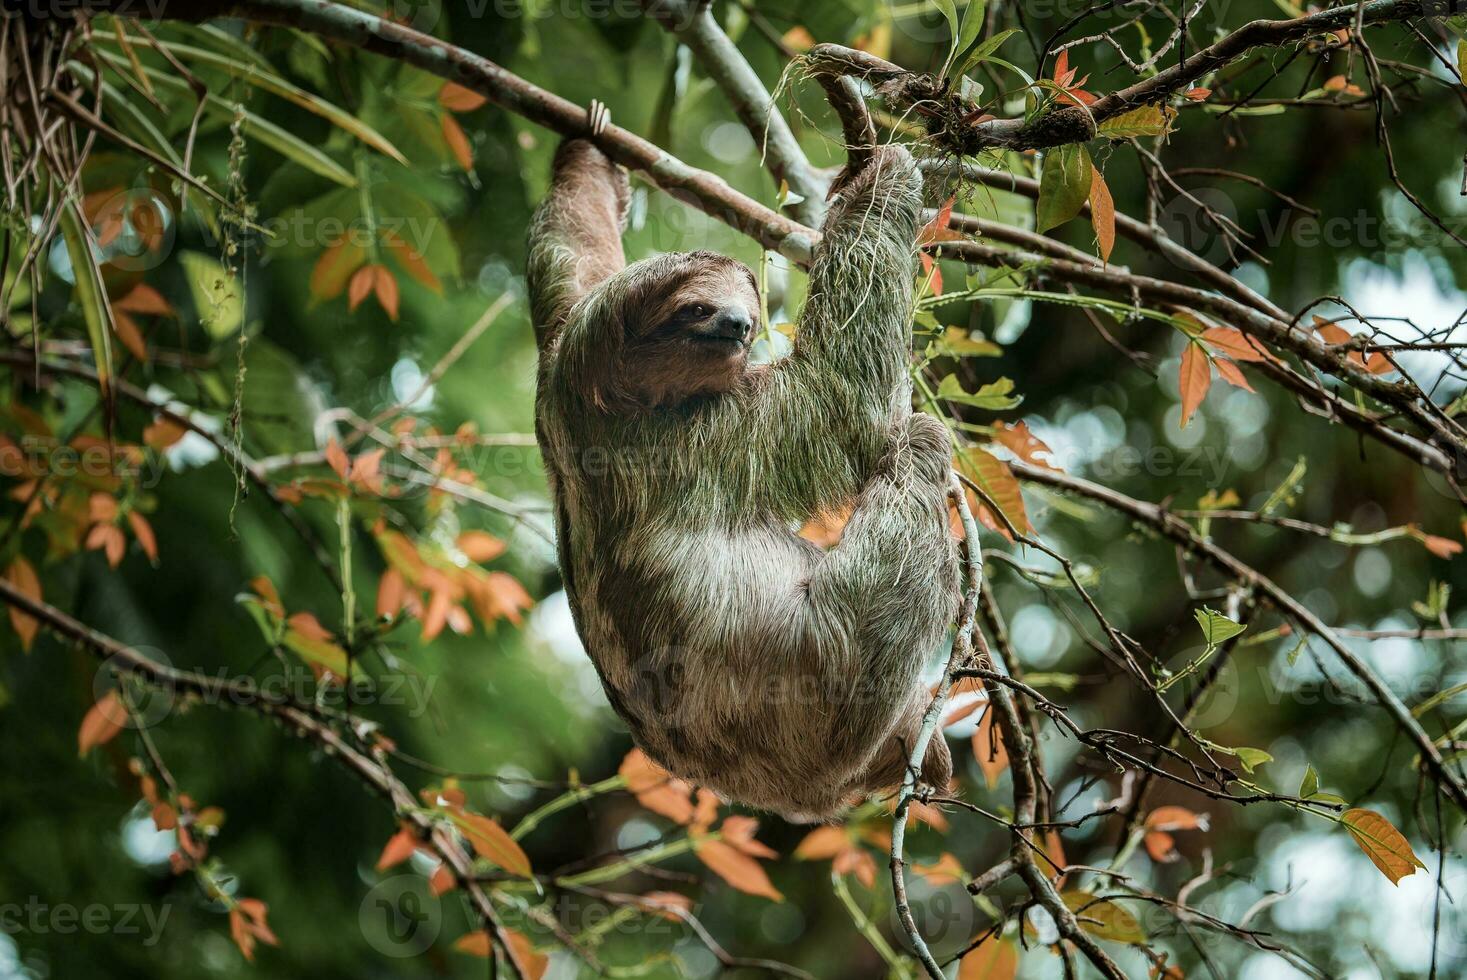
(728, 343)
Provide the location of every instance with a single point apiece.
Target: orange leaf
(946, 871)
(492, 842)
(1234, 343)
(480, 546)
(334, 267)
(337, 459)
(1195, 378)
(22, 577)
(1024, 444)
(1386, 847)
(474, 943)
(534, 963)
(458, 143)
(988, 749)
(1232, 374)
(1102, 214)
(1197, 94)
(1175, 818)
(143, 531)
(127, 331)
(655, 788)
(442, 881)
(102, 723)
(1161, 846)
(822, 844)
(144, 299)
(854, 861)
(739, 832)
(399, 848)
(456, 98)
(391, 591)
(992, 959)
(108, 539)
(361, 286)
(736, 868)
(413, 262)
(163, 433)
(384, 284)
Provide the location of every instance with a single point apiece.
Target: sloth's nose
(732, 323)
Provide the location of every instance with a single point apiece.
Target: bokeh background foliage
(502, 690)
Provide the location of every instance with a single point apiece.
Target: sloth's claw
(598, 117)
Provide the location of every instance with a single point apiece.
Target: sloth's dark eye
(697, 311)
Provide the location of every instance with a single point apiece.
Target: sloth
(742, 657)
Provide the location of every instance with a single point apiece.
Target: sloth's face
(693, 335)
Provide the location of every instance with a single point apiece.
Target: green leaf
(91, 294)
(218, 298)
(996, 396)
(286, 144)
(1462, 60)
(1148, 120)
(972, 24)
(985, 50)
(270, 82)
(1216, 628)
(1064, 185)
(1298, 649)
(950, 14)
(1310, 784)
(1252, 758)
(1103, 919)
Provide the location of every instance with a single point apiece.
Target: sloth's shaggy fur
(742, 657)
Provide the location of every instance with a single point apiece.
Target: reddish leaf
(992, 959)
(335, 267)
(399, 848)
(22, 577)
(655, 788)
(127, 331)
(108, 539)
(736, 868)
(456, 98)
(143, 532)
(144, 299)
(492, 842)
(384, 284)
(412, 262)
(337, 459)
(1195, 378)
(102, 723)
(1024, 444)
(474, 943)
(391, 591)
(988, 749)
(1386, 847)
(480, 546)
(360, 288)
(1232, 374)
(442, 881)
(823, 843)
(1234, 343)
(739, 832)
(458, 143)
(1198, 94)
